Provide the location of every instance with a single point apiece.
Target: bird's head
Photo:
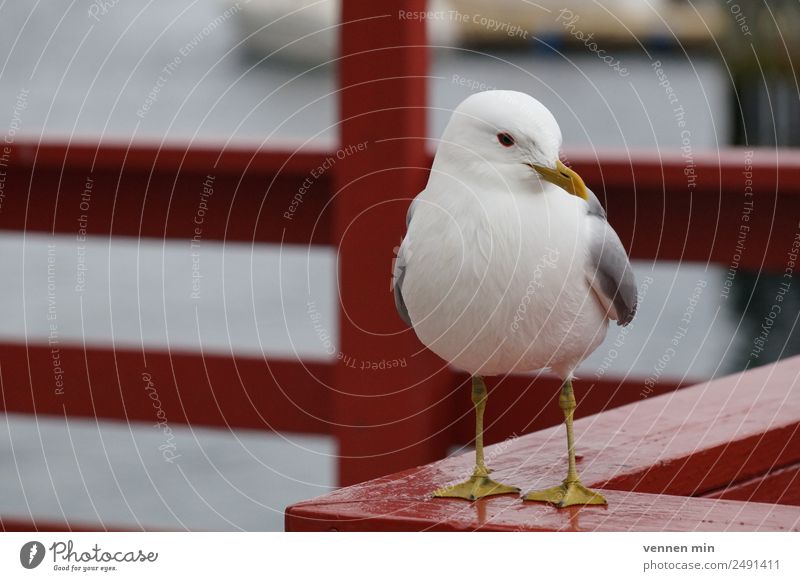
(510, 136)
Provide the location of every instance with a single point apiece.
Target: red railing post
(390, 395)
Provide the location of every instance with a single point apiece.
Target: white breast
(498, 284)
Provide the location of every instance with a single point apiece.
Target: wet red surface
(653, 459)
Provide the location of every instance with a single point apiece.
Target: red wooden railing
(735, 440)
(384, 421)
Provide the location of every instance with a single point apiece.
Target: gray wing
(609, 272)
(399, 273)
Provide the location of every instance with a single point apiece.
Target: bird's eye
(505, 139)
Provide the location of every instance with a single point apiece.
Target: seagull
(509, 265)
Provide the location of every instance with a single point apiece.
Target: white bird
(509, 265)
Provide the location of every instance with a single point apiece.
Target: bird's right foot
(568, 493)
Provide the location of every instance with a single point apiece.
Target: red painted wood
(779, 487)
(147, 155)
(157, 192)
(398, 418)
(16, 525)
(217, 391)
(696, 440)
(662, 214)
(521, 404)
(703, 437)
(626, 511)
(283, 395)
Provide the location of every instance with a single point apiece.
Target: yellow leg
(571, 491)
(479, 484)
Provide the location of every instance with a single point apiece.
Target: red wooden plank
(146, 155)
(18, 525)
(772, 169)
(703, 437)
(661, 213)
(284, 395)
(397, 418)
(171, 192)
(626, 511)
(217, 391)
(779, 487)
(690, 442)
(645, 192)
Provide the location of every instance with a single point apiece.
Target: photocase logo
(31, 554)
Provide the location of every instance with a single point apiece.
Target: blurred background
(262, 75)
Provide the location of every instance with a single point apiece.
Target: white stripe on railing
(223, 298)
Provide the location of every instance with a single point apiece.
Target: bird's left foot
(566, 494)
(477, 486)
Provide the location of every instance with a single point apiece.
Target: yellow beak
(564, 178)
